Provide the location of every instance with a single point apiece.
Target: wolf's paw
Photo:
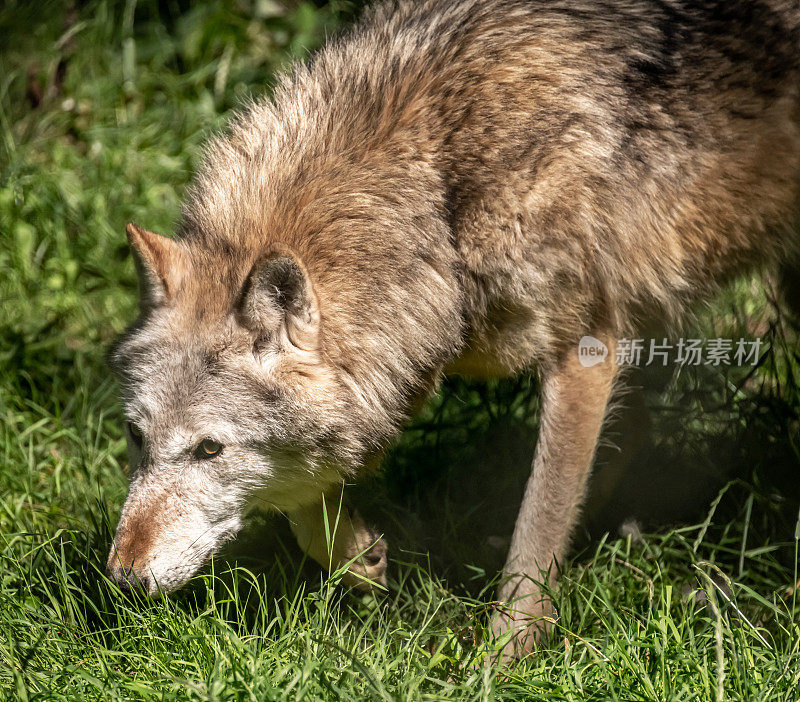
(519, 627)
(369, 569)
(352, 540)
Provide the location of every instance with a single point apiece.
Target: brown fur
(471, 186)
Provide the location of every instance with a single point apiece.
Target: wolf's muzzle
(131, 582)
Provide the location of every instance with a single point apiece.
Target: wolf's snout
(129, 581)
(163, 538)
(131, 574)
(129, 561)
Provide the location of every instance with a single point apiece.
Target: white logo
(591, 351)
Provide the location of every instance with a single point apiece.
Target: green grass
(703, 610)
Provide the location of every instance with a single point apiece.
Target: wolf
(450, 186)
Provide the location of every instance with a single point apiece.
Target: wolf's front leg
(574, 401)
(345, 537)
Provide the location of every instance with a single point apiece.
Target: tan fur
(452, 186)
(334, 535)
(574, 403)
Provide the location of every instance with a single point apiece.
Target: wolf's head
(229, 403)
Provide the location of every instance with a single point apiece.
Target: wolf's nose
(129, 581)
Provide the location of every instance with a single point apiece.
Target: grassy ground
(103, 108)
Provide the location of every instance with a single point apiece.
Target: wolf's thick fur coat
(451, 186)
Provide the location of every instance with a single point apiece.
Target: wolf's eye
(208, 448)
(136, 433)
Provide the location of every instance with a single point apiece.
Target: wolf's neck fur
(348, 166)
(448, 157)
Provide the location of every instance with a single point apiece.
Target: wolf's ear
(160, 263)
(278, 297)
